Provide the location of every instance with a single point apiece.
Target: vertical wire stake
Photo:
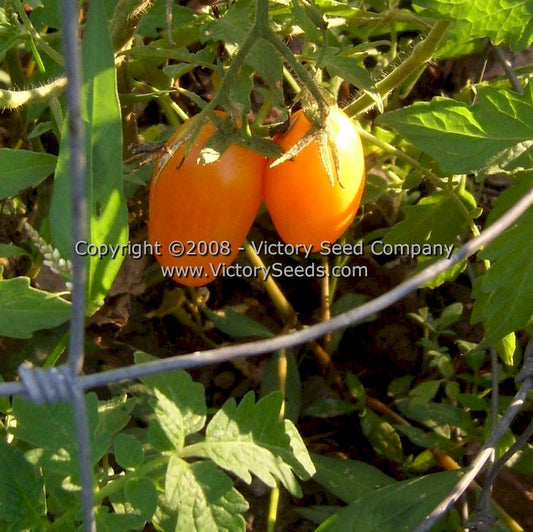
(79, 231)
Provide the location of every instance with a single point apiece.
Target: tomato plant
(206, 208)
(306, 206)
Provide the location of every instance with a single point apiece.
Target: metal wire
(73, 69)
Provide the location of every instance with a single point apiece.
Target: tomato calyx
(321, 132)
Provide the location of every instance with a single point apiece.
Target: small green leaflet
(188, 396)
(495, 134)
(503, 21)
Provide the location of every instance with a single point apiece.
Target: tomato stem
(421, 54)
(281, 303)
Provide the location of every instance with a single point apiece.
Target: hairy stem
(421, 54)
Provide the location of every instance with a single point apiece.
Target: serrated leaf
(50, 430)
(237, 325)
(20, 169)
(504, 21)
(504, 294)
(203, 498)
(399, 507)
(250, 438)
(266, 61)
(25, 310)
(169, 418)
(21, 487)
(178, 386)
(240, 90)
(382, 436)
(348, 479)
(233, 27)
(106, 206)
(486, 137)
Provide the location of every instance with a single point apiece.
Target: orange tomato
(305, 207)
(208, 208)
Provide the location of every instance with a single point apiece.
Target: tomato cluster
(216, 203)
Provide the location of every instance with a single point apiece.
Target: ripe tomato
(203, 206)
(303, 204)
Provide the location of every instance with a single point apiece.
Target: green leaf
(21, 487)
(504, 21)
(169, 418)
(241, 87)
(348, 479)
(128, 451)
(506, 348)
(237, 325)
(188, 396)
(203, 498)
(25, 310)
(382, 436)
(425, 391)
(326, 407)
(20, 169)
(450, 315)
(50, 430)
(436, 416)
(10, 250)
(399, 507)
(434, 219)
(250, 438)
(114, 414)
(266, 61)
(350, 69)
(107, 213)
(233, 27)
(493, 135)
(117, 522)
(142, 495)
(433, 226)
(423, 438)
(504, 294)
